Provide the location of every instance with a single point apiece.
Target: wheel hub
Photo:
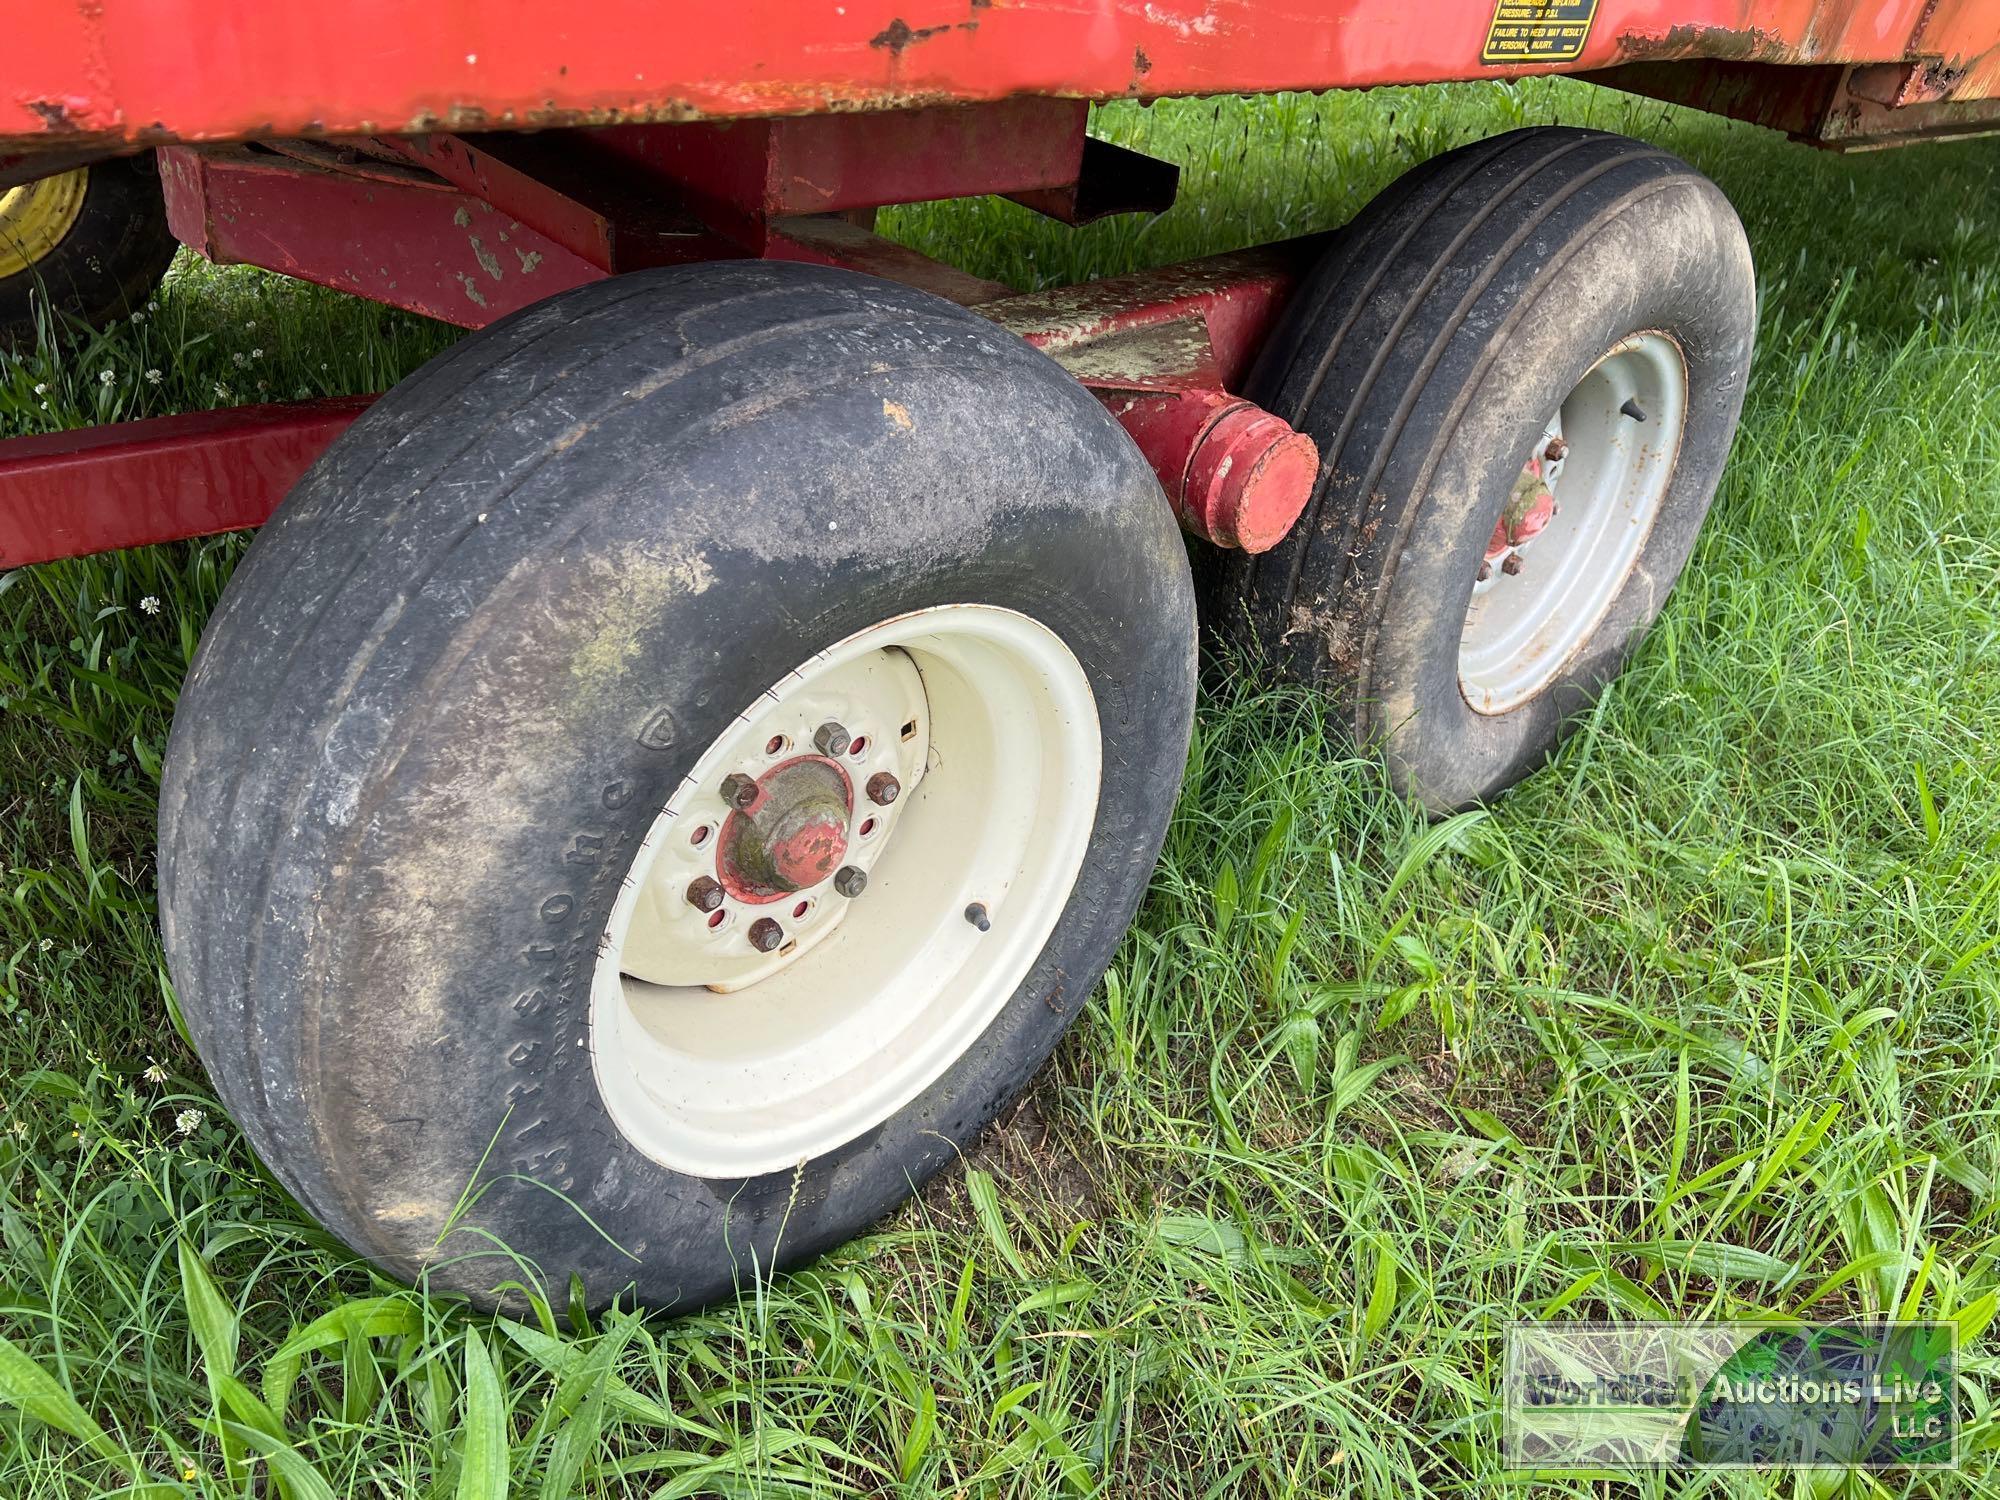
(1574, 524)
(792, 836)
(775, 843)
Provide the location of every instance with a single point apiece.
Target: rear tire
(1430, 356)
(544, 590)
(94, 242)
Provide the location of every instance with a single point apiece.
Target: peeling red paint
(235, 69)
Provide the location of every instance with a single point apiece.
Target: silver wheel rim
(1538, 601)
(722, 1060)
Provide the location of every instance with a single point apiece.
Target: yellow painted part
(35, 216)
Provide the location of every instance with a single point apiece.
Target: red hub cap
(792, 836)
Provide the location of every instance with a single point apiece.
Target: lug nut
(1633, 409)
(976, 915)
(1512, 565)
(883, 789)
(739, 791)
(1556, 451)
(832, 739)
(765, 934)
(850, 880)
(1485, 571)
(704, 893)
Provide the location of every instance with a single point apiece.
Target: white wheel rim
(752, 1062)
(1523, 628)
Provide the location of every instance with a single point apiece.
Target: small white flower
(188, 1121)
(152, 307)
(150, 604)
(46, 944)
(105, 377)
(154, 1072)
(221, 391)
(41, 387)
(138, 317)
(256, 353)
(153, 377)
(239, 359)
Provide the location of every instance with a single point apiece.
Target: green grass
(1700, 1021)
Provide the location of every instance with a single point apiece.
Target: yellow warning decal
(1534, 31)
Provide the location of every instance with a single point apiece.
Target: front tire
(489, 671)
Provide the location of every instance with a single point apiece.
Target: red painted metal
(468, 230)
(127, 73)
(431, 249)
(1842, 109)
(1182, 331)
(1233, 300)
(1234, 474)
(639, 195)
(741, 176)
(64, 494)
(1162, 349)
(838, 242)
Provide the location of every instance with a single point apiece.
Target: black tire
(1424, 355)
(107, 263)
(389, 691)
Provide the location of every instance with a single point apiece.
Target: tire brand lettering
(549, 1042)
(551, 1165)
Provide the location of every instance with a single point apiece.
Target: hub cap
(1575, 525)
(36, 215)
(794, 834)
(791, 959)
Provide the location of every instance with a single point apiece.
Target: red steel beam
(468, 229)
(428, 248)
(1143, 343)
(1161, 348)
(160, 479)
(741, 176)
(137, 74)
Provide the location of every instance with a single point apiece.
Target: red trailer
(670, 770)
